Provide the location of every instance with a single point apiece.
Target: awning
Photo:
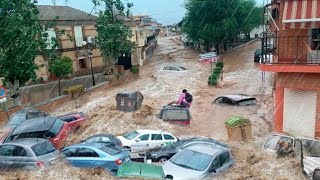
(301, 14)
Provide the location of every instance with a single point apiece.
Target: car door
(271, 144)
(168, 139)
(83, 157)
(14, 156)
(142, 142)
(156, 140)
(220, 163)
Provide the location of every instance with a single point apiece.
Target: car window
(131, 135)
(183, 68)
(33, 115)
(43, 148)
(17, 119)
(219, 100)
(175, 69)
(144, 137)
(86, 152)
(105, 139)
(110, 150)
(224, 158)
(175, 114)
(247, 102)
(272, 142)
(168, 137)
(26, 135)
(192, 160)
(166, 68)
(6, 150)
(216, 163)
(70, 152)
(68, 118)
(56, 127)
(156, 137)
(311, 147)
(93, 140)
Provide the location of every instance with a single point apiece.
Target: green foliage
(74, 91)
(113, 34)
(61, 67)
(213, 22)
(220, 64)
(213, 78)
(135, 70)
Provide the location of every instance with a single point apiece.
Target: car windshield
(175, 114)
(17, 119)
(192, 160)
(131, 135)
(247, 102)
(56, 127)
(43, 148)
(183, 68)
(110, 150)
(178, 143)
(311, 147)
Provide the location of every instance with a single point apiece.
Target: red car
(74, 120)
(50, 128)
(175, 115)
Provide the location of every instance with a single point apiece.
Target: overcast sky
(165, 11)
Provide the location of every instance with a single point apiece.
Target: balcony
(290, 54)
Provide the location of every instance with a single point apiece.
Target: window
(78, 36)
(43, 148)
(272, 142)
(110, 150)
(105, 139)
(51, 38)
(93, 140)
(131, 135)
(82, 63)
(71, 152)
(175, 114)
(68, 119)
(85, 152)
(6, 150)
(192, 160)
(56, 127)
(224, 158)
(156, 137)
(216, 163)
(144, 137)
(168, 137)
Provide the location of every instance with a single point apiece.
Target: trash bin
(238, 128)
(129, 101)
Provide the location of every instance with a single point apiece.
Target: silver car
(198, 161)
(28, 153)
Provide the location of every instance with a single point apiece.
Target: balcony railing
(290, 50)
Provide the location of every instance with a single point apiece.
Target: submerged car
(140, 170)
(198, 161)
(96, 155)
(163, 154)
(50, 128)
(74, 120)
(175, 115)
(174, 68)
(236, 100)
(141, 140)
(28, 153)
(108, 139)
(306, 150)
(25, 114)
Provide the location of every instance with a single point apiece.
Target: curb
(233, 49)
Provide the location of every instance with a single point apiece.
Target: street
(241, 75)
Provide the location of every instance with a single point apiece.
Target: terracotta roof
(65, 13)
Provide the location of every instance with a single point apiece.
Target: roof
(206, 149)
(34, 125)
(135, 169)
(238, 97)
(28, 141)
(90, 145)
(150, 131)
(65, 13)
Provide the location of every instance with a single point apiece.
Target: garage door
(299, 112)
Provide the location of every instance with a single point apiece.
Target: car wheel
(162, 160)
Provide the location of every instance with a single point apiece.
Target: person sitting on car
(182, 100)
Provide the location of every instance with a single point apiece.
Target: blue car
(96, 155)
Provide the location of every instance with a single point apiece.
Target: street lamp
(90, 58)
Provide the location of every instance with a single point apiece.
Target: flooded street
(241, 75)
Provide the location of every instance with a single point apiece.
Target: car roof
(149, 131)
(101, 135)
(89, 145)
(135, 169)
(29, 142)
(34, 125)
(238, 97)
(204, 139)
(206, 148)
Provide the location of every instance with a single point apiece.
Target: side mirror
(138, 140)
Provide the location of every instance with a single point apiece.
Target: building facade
(293, 36)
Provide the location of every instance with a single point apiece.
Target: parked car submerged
(28, 153)
(236, 99)
(25, 114)
(96, 155)
(50, 128)
(198, 161)
(107, 139)
(174, 68)
(163, 154)
(141, 140)
(74, 120)
(140, 170)
(175, 115)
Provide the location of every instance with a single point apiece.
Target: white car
(141, 140)
(174, 68)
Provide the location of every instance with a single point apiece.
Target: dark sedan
(164, 153)
(236, 99)
(104, 138)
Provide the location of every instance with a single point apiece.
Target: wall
(35, 94)
(297, 81)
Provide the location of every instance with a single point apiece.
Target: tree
(22, 38)
(213, 22)
(61, 67)
(113, 34)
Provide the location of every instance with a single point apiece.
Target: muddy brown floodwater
(241, 75)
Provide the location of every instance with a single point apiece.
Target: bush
(135, 70)
(74, 91)
(212, 82)
(220, 64)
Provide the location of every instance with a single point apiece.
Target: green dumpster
(238, 128)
